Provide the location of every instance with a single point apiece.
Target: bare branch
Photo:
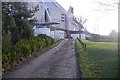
(105, 4)
(111, 5)
(81, 20)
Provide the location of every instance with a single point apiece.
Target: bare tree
(108, 5)
(81, 20)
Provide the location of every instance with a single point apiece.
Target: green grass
(85, 64)
(102, 59)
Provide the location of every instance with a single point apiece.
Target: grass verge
(100, 60)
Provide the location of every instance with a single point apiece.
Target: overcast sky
(101, 22)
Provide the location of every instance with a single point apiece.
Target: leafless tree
(81, 20)
(108, 5)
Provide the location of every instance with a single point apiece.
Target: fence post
(85, 46)
(82, 43)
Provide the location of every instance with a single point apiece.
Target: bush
(24, 49)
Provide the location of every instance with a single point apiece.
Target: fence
(82, 43)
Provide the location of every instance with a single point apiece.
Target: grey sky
(101, 22)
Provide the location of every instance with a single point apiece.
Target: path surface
(59, 62)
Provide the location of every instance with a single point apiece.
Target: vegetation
(112, 37)
(18, 42)
(17, 22)
(99, 61)
(85, 63)
(24, 49)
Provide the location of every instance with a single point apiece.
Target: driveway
(58, 62)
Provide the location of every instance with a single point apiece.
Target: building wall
(82, 36)
(56, 14)
(54, 34)
(40, 14)
(59, 34)
(75, 36)
(42, 31)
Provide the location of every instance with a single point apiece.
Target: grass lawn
(99, 60)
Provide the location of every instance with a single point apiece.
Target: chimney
(71, 10)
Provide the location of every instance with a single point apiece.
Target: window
(63, 20)
(62, 14)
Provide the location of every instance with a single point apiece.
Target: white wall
(82, 36)
(56, 17)
(42, 31)
(52, 34)
(39, 15)
(75, 36)
(59, 34)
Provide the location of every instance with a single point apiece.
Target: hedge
(24, 49)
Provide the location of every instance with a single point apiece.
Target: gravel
(58, 62)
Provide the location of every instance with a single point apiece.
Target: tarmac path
(58, 62)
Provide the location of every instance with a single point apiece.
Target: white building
(53, 20)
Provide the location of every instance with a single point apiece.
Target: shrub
(24, 49)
